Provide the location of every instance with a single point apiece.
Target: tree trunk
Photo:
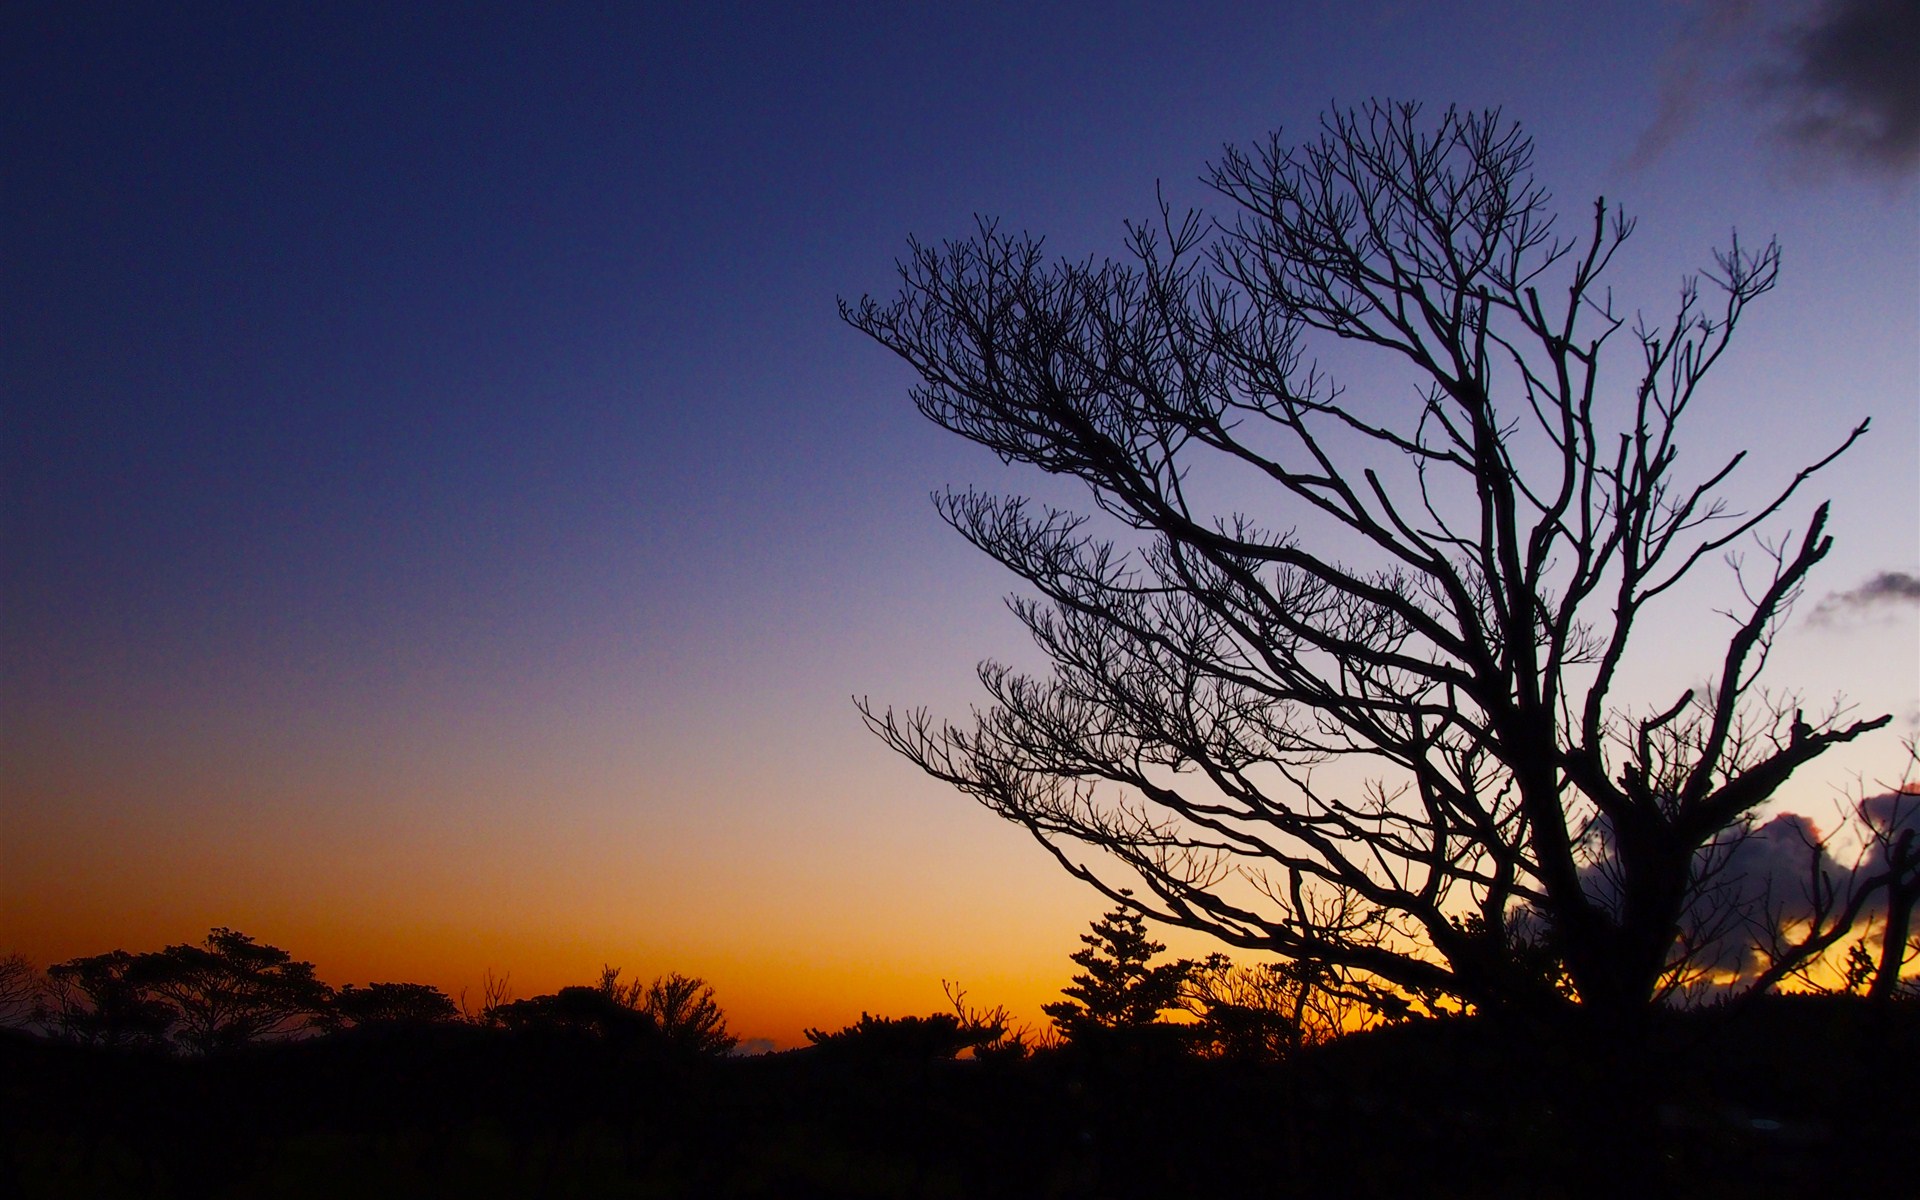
(1893, 944)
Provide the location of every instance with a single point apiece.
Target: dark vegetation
(1158, 1077)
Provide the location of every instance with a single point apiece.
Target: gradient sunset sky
(443, 520)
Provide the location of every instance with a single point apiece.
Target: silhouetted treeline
(619, 1088)
(1806, 1095)
(230, 991)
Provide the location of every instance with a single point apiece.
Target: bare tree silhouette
(496, 992)
(19, 990)
(1268, 1012)
(1451, 570)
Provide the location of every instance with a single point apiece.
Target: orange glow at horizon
(462, 878)
(133, 851)
(766, 998)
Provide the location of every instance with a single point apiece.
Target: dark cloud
(1781, 864)
(1756, 879)
(1887, 589)
(1753, 878)
(1847, 82)
(1887, 817)
(1782, 871)
(1778, 872)
(1836, 79)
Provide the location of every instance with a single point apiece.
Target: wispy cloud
(1692, 73)
(1888, 589)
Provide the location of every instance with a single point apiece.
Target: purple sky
(439, 506)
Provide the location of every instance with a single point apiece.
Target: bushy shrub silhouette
(101, 999)
(389, 1004)
(681, 1007)
(577, 1012)
(908, 1039)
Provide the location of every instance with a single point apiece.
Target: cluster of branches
(1512, 523)
(230, 991)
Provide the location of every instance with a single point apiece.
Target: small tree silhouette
(1267, 1011)
(19, 990)
(576, 1012)
(230, 990)
(103, 999)
(496, 992)
(1117, 990)
(682, 1008)
(390, 1004)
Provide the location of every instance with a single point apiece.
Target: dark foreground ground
(1800, 1097)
